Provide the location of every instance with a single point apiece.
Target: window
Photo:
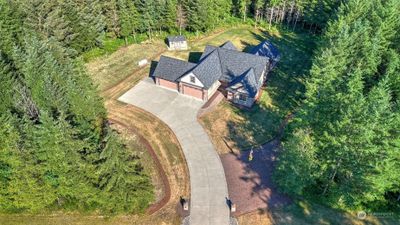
(242, 97)
(192, 79)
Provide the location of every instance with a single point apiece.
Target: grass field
(118, 72)
(109, 70)
(232, 128)
(302, 213)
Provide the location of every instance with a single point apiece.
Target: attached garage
(192, 91)
(167, 83)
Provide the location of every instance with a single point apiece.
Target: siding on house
(223, 68)
(248, 103)
(180, 45)
(213, 89)
(187, 79)
(167, 84)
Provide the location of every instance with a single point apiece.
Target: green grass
(108, 70)
(111, 45)
(305, 213)
(245, 128)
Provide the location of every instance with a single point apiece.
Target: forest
(57, 150)
(343, 146)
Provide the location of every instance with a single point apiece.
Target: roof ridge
(220, 61)
(257, 56)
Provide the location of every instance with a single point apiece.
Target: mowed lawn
(108, 70)
(233, 128)
(304, 213)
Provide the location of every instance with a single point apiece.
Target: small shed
(268, 50)
(177, 43)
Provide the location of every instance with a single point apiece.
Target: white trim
(186, 79)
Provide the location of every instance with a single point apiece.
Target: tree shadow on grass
(254, 190)
(304, 213)
(248, 47)
(250, 181)
(285, 84)
(257, 125)
(284, 89)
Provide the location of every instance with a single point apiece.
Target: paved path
(207, 179)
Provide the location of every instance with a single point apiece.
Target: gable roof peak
(246, 82)
(228, 45)
(208, 70)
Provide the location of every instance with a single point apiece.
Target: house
(238, 75)
(177, 43)
(267, 49)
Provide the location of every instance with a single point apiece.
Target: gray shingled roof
(246, 83)
(171, 69)
(228, 45)
(208, 70)
(176, 38)
(235, 63)
(267, 49)
(216, 63)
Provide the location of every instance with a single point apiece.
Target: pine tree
(348, 112)
(116, 178)
(147, 11)
(129, 17)
(10, 26)
(169, 15)
(198, 19)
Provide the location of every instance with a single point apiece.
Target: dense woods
(343, 147)
(82, 25)
(57, 151)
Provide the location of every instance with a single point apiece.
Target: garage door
(195, 92)
(168, 84)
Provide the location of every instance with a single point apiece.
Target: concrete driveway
(207, 179)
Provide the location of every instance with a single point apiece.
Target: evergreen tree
(198, 19)
(129, 17)
(147, 11)
(169, 15)
(348, 112)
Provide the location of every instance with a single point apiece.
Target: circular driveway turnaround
(207, 178)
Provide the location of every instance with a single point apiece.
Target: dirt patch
(250, 183)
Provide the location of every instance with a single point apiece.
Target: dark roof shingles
(268, 50)
(176, 38)
(234, 63)
(171, 69)
(208, 70)
(228, 45)
(246, 82)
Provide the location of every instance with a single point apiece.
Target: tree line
(57, 150)
(82, 25)
(343, 147)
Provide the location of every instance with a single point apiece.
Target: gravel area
(250, 182)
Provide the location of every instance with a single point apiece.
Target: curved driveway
(207, 178)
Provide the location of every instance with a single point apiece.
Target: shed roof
(176, 38)
(171, 69)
